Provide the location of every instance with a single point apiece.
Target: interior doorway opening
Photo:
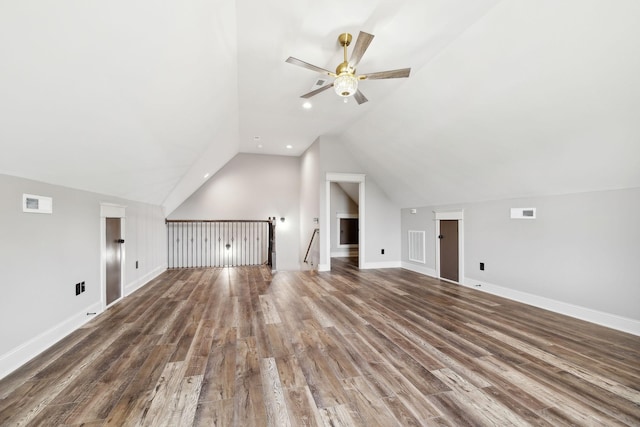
(112, 253)
(344, 221)
(450, 246)
(342, 227)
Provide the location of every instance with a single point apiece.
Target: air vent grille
(417, 246)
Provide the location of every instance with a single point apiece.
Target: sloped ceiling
(142, 99)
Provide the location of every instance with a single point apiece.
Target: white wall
(382, 219)
(580, 256)
(43, 256)
(341, 203)
(254, 187)
(310, 203)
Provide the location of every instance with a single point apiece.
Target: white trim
(134, 286)
(383, 264)
(419, 269)
(345, 177)
(451, 215)
(620, 323)
(111, 210)
(20, 355)
(325, 222)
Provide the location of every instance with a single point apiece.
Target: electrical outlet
(382, 251)
(136, 265)
(482, 266)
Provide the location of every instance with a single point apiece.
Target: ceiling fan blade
(298, 62)
(364, 39)
(360, 98)
(317, 91)
(392, 74)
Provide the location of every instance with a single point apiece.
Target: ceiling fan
(346, 80)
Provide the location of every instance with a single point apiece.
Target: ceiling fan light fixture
(345, 85)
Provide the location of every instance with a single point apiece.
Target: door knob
(120, 241)
(440, 236)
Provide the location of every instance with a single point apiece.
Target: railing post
(272, 244)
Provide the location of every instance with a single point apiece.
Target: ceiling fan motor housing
(346, 84)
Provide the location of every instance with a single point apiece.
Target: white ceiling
(142, 99)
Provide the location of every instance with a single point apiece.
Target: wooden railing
(316, 232)
(219, 243)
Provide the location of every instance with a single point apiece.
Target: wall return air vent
(417, 246)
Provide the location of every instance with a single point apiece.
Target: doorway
(450, 246)
(449, 249)
(112, 253)
(325, 223)
(113, 262)
(344, 219)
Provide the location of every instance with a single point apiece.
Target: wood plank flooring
(238, 347)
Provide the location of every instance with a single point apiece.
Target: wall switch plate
(77, 288)
(82, 287)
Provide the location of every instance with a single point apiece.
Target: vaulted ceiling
(141, 99)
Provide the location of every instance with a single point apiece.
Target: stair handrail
(313, 235)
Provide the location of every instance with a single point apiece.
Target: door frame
(325, 221)
(111, 210)
(451, 215)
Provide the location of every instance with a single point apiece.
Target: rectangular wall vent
(417, 246)
(37, 204)
(318, 84)
(523, 213)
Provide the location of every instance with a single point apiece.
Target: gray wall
(583, 249)
(382, 221)
(43, 256)
(254, 186)
(310, 203)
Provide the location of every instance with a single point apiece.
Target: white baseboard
(384, 264)
(323, 267)
(135, 285)
(620, 323)
(23, 353)
(419, 269)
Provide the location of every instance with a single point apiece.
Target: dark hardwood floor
(236, 346)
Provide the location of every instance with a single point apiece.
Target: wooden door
(449, 249)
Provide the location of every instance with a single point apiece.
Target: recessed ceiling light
(307, 105)
(259, 145)
(206, 175)
(289, 147)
